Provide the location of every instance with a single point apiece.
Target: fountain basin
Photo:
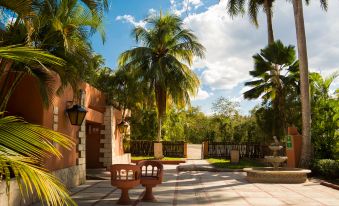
(275, 159)
(279, 175)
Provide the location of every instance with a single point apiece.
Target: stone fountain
(275, 160)
(276, 174)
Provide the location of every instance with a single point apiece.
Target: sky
(230, 43)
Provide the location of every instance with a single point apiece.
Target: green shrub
(326, 168)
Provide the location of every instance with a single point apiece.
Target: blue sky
(230, 43)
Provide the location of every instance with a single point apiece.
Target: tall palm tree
(237, 7)
(274, 69)
(163, 60)
(306, 149)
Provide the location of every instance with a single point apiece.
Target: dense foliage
(327, 168)
(44, 39)
(325, 116)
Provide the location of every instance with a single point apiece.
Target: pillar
(185, 149)
(81, 146)
(205, 144)
(108, 138)
(293, 147)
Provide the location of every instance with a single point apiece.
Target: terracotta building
(98, 141)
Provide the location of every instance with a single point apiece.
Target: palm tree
(274, 69)
(306, 149)
(163, 61)
(61, 27)
(237, 7)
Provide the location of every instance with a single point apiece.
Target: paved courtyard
(208, 188)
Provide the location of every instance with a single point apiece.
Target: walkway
(207, 188)
(194, 151)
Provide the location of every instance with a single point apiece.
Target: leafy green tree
(325, 116)
(162, 61)
(274, 69)
(225, 107)
(264, 120)
(143, 124)
(174, 125)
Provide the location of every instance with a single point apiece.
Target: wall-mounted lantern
(76, 114)
(123, 126)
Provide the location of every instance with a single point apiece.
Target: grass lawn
(152, 158)
(224, 163)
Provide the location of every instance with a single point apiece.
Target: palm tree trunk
(159, 128)
(268, 12)
(304, 84)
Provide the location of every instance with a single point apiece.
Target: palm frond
(32, 178)
(28, 55)
(29, 139)
(253, 9)
(23, 147)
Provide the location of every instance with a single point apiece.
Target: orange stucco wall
(26, 102)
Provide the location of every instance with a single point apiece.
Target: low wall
(146, 148)
(71, 177)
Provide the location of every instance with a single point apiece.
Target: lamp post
(76, 114)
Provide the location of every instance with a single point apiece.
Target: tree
(325, 116)
(163, 59)
(237, 7)
(60, 27)
(306, 149)
(225, 107)
(274, 69)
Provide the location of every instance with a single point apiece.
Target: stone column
(108, 139)
(55, 118)
(81, 146)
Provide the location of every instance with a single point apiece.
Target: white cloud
(202, 94)
(152, 11)
(130, 19)
(179, 7)
(229, 46)
(230, 43)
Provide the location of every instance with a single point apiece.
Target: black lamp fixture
(123, 126)
(76, 114)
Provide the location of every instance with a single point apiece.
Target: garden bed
(226, 164)
(165, 160)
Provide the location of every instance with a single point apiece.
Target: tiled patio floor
(208, 188)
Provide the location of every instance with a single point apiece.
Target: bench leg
(148, 196)
(124, 198)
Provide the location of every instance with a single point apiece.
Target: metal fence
(246, 150)
(146, 148)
